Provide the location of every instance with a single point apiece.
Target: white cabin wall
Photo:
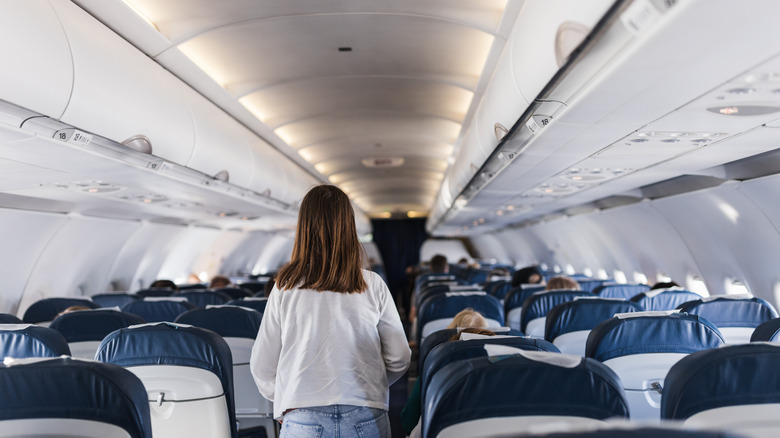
(210, 259)
(453, 249)
(76, 260)
(276, 253)
(489, 247)
(180, 261)
(242, 259)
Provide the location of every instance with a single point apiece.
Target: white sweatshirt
(324, 348)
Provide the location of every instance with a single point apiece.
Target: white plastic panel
(451, 248)
(490, 247)
(209, 257)
(503, 426)
(274, 254)
(179, 262)
(275, 172)
(572, 342)
(76, 260)
(37, 68)
(755, 421)
(31, 233)
(244, 256)
(118, 92)
(60, 428)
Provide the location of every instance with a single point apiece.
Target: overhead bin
(37, 68)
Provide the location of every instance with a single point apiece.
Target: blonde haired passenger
(562, 282)
(331, 340)
(468, 317)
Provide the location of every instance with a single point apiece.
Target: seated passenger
(410, 414)
(468, 317)
(562, 283)
(163, 284)
(527, 275)
(664, 285)
(220, 281)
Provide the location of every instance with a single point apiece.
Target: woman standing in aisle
(331, 341)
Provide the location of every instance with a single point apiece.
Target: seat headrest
(154, 311)
(767, 332)
(664, 299)
(203, 298)
(651, 333)
(620, 290)
(226, 321)
(26, 340)
(447, 306)
(113, 299)
(252, 303)
(540, 303)
(6, 318)
(584, 313)
(75, 389)
(731, 312)
(93, 325)
(48, 308)
(520, 386)
(729, 376)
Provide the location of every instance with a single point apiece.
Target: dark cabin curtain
(399, 242)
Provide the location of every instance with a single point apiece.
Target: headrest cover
(226, 321)
(171, 344)
(93, 325)
(76, 389)
(584, 313)
(21, 341)
(673, 333)
(539, 304)
(731, 312)
(729, 376)
(48, 308)
(518, 386)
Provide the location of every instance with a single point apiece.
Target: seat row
(502, 385)
(195, 371)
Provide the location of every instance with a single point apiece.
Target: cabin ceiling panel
(376, 147)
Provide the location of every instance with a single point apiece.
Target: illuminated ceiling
(347, 88)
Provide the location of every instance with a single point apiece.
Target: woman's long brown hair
(327, 255)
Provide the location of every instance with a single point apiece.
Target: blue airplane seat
(441, 336)
(113, 300)
(449, 352)
(239, 327)
(86, 328)
(614, 290)
(569, 324)
(254, 287)
(736, 316)
(513, 302)
(499, 288)
(27, 340)
(733, 388)
(192, 286)
(158, 309)
(46, 397)
(589, 284)
(620, 430)
(767, 332)
(155, 292)
(641, 347)
(664, 299)
(535, 308)
(257, 303)
(234, 293)
(443, 288)
(7, 318)
(45, 310)
(510, 393)
(436, 312)
(188, 372)
(203, 298)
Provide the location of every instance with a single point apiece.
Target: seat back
(641, 347)
(513, 303)
(436, 312)
(588, 284)
(187, 372)
(45, 310)
(470, 397)
(664, 299)
(65, 397)
(767, 332)
(449, 352)
(735, 316)
(155, 292)
(252, 303)
(535, 308)
(234, 293)
(203, 298)
(160, 309)
(7, 318)
(28, 340)
(733, 388)
(625, 291)
(113, 300)
(239, 327)
(86, 328)
(569, 324)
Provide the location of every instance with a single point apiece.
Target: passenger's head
(664, 285)
(164, 284)
(527, 275)
(468, 317)
(327, 255)
(219, 281)
(73, 309)
(439, 264)
(474, 330)
(562, 282)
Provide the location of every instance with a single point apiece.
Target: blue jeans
(338, 421)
